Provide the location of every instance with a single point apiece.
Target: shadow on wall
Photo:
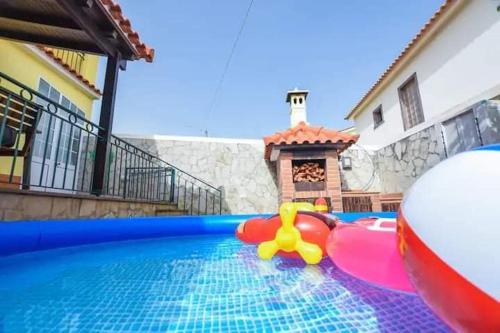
(363, 174)
(235, 166)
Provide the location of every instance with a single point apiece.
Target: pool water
(193, 284)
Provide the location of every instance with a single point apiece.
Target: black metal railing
(73, 59)
(46, 146)
(133, 173)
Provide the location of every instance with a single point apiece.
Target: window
(68, 135)
(67, 130)
(43, 142)
(378, 118)
(411, 105)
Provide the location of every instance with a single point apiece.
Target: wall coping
(159, 137)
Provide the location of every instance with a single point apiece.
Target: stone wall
(401, 163)
(236, 166)
(398, 165)
(394, 168)
(363, 175)
(31, 205)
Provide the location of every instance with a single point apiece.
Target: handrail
(32, 93)
(134, 172)
(73, 59)
(163, 161)
(62, 155)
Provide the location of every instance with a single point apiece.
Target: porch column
(105, 124)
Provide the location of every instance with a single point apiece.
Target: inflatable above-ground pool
(449, 234)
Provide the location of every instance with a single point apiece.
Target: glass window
(77, 134)
(70, 129)
(411, 105)
(46, 126)
(44, 88)
(67, 141)
(378, 117)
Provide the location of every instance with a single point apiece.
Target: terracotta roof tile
(412, 44)
(305, 134)
(74, 73)
(115, 11)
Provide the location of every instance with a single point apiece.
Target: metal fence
(73, 59)
(48, 146)
(134, 173)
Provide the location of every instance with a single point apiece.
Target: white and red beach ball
(449, 236)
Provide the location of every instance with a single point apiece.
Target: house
(64, 76)
(48, 67)
(440, 96)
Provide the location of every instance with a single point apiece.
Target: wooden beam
(45, 20)
(106, 125)
(81, 16)
(51, 42)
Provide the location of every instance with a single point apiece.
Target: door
(57, 145)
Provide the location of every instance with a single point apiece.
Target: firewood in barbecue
(308, 172)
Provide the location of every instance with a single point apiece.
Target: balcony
(73, 59)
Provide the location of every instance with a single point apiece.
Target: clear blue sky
(335, 49)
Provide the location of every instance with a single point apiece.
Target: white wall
(459, 67)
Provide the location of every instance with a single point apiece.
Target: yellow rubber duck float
(288, 237)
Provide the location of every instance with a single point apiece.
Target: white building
(451, 67)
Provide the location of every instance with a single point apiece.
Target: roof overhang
(89, 88)
(425, 35)
(304, 136)
(90, 26)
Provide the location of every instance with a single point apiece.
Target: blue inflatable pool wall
(27, 236)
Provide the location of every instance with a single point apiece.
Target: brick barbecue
(307, 157)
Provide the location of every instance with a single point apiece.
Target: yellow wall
(27, 67)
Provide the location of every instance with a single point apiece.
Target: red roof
(78, 76)
(445, 7)
(123, 24)
(305, 134)
(114, 11)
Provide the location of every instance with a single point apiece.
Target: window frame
(381, 110)
(414, 78)
(73, 155)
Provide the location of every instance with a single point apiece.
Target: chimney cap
(296, 91)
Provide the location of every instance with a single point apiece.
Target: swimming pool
(196, 283)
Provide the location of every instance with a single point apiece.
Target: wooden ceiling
(83, 25)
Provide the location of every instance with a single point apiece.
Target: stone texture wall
(401, 163)
(236, 166)
(363, 175)
(30, 205)
(395, 167)
(398, 165)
